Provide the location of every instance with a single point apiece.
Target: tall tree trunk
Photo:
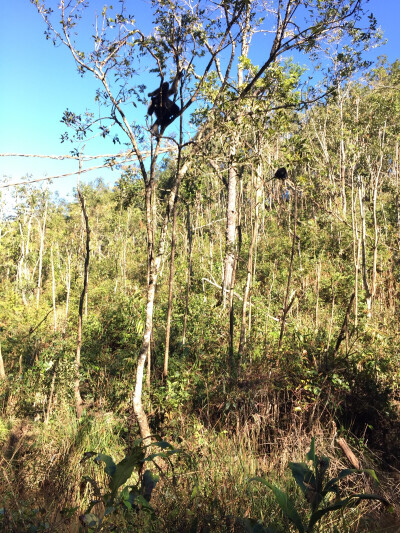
(253, 242)
(189, 272)
(68, 285)
(53, 286)
(288, 304)
(154, 263)
(2, 371)
(231, 222)
(356, 245)
(318, 274)
(342, 158)
(42, 229)
(78, 398)
(368, 294)
(170, 288)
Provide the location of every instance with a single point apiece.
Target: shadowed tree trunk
(288, 304)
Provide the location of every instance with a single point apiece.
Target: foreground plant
(316, 488)
(117, 498)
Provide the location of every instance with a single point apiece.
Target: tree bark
(170, 288)
(53, 286)
(42, 233)
(78, 398)
(286, 304)
(253, 242)
(189, 273)
(2, 371)
(153, 271)
(231, 219)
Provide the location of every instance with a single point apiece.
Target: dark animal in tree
(281, 174)
(162, 106)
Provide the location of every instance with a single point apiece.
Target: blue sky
(39, 81)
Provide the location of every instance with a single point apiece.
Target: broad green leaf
(125, 468)
(127, 504)
(302, 474)
(284, 503)
(125, 493)
(110, 465)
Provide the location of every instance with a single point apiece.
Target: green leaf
(163, 455)
(110, 465)
(372, 473)
(124, 469)
(350, 501)
(311, 454)
(302, 474)
(330, 486)
(163, 444)
(284, 503)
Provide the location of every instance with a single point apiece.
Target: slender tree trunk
(332, 315)
(53, 285)
(318, 272)
(269, 307)
(342, 159)
(356, 246)
(189, 273)
(288, 304)
(152, 229)
(368, 294)
(247, 290)
(170, 288)
(68, 284)
(78, 398)
(230, 251)
(345, 326)
(148, 373)
(376, 239)
(50, 400)
(153, 270)
(42, 233)
(2, 371)
(231, 222)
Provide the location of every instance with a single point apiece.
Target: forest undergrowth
(212, 344)
(252, 427)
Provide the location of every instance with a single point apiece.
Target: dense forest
(212, 344)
